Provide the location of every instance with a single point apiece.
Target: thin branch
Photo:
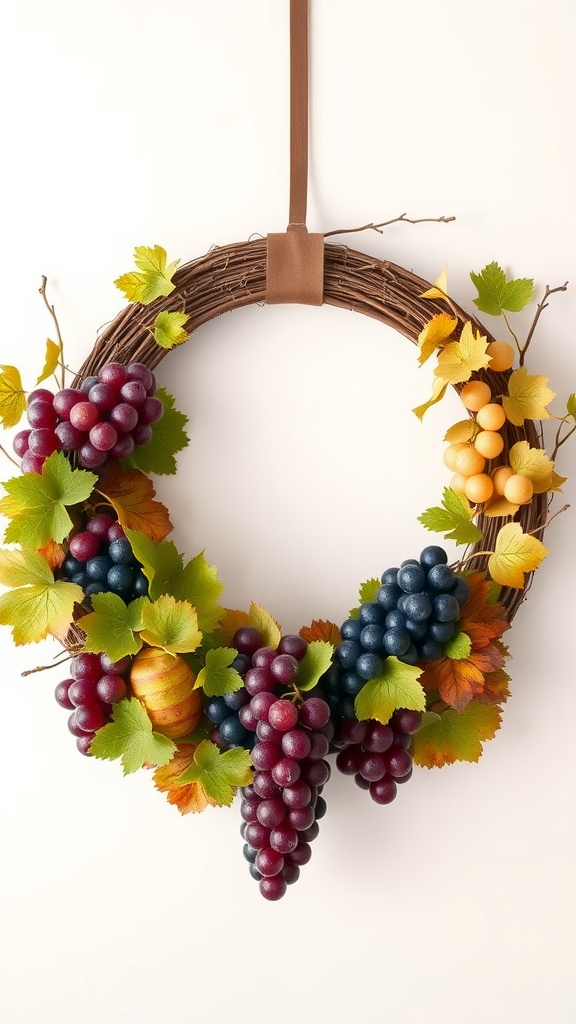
(539, 310)
(8, 456)
(52, 312)
(560, 441)
(539, 529)
(385, 223)
(518, 345)
(44, 668)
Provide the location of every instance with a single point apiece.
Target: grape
(65, 400)
(115, 532)
(293, 645)
(100, 524)
(383, 791)
(111, 688)
(88, 383)
(284, 669)
(40, 395)
(82, 691)
(286, 771)
(113, 374)
(84, 546)
(85, 666)
(123, 447)
(103, 436)
(263, 657)
(446, 608)
(69, 437)
(246, 640)
(140, 372)
(89, 457)
(258, 679)
(369, 665)
(61, 694)
(284, 839)
(32, 463)
(103, 397)
(282, 715)
(90, 717)
(90, 561)
(150, 412)
(42, 442)
(84, 416)
(133, 392)
(84, 742)
(296, 744)
(273, 888)
(20, 442)
(124, 417)
(319, 746)
(141, 435)
(42, 414)
(314, 713)
(411, 579)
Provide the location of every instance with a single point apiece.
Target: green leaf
(366, 594)
(112, 626)
(314, 664)
(153, 277)
(496, 293)
(459, 646)
(453, 519)
(131, 738)
(37, 606)
(171, 625)
(571, 406)
(168, 438)
(23, 568)
(161, 562)
(169, 329)
(51, 360)
(217, 678)
(397, 687)
(39, 501)
(454, 736)
(219, 773)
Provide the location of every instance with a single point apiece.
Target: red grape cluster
(377, 755)
(106, 417)
(96, 684)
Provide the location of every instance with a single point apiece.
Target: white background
(127, 123)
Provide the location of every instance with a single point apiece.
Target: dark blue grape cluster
(100, 560)
(414, 615)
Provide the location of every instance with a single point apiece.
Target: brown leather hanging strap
(295, 259)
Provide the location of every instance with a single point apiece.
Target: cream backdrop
(127, 123)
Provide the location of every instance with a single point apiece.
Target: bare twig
(44, 668)
(52, 312)
(8, 456)
(386, 223)
(539, 529)
(539, 310)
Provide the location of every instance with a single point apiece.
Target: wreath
(160, 675)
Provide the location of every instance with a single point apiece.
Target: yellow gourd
(164, 684)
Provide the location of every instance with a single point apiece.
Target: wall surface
(127, 123)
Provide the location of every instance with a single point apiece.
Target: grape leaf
(453, 519)
(190, 798)
(52, 358)
(366, 594)
(38, 606)
(462, 431)
(153, 277)
(439, 290)
(571, 406)
(41, 500)
(131, 494)
(130, 737)
(321, 629)
(499, 507)
(112, 626)
(527, 397)
(314, 664)
(268, 628)
(161, 561)
(458, 646)
(53, 553)
(218, 773)
(434, 334)
(168, 438)
(532, 463)
(169, 329)
(457, 361)
(217, 678)
(496, 293)
(171, 625)
(515, 553)
(495, 687)
(12, 396)
(397, 687)
(453, 736)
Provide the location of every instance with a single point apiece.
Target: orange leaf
(320, 629)
(131, 493)
(495, 688)
(53, 553)
(269, 629)
(191, 798)
(482, 621)
(457, 681)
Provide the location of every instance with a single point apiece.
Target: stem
(545, 525)
(44, 668)
(385, 223)
(518, 346)
(539, 310)
(560, 441)
(475, 554)
(52, 312)
(8, 456)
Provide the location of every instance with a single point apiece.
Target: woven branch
(233, 276)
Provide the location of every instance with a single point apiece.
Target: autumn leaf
(131, 494)
(439, 290)
(36, 606)
(153, 277)
(452, 736)
(39, 502)
(218, 772)
(496, 293)
(453, 518)
(321, 629)
(532, 463)
(191, 798)
(398, 686)
(130, 737)
(169, 330)
(268, 628)
(515, 553)
(462, 431)
(12, 396)
(496, 689)
(499, 507)
(527, 398)
(434, 334)
(457, 361)
(51, 360)
(171, 625)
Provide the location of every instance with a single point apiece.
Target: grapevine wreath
(160, 675)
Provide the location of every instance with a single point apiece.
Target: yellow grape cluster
(467, 459)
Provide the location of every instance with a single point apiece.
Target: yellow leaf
(459, 359)
(498, 506)
(268, 628)
(515, 554)
(439, 389)
(153, 277)
(556, 482)
(52, 358)
(532, 463)
(440, 288)
(12, 396)
(462, 431)
(527, 397)
(434, 334)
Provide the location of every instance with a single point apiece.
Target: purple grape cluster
(377, 755)
(282, 806)
(95, 684)
(100, 560)
(106, 417)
